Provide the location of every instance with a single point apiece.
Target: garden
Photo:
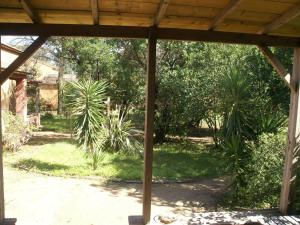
(220, 111)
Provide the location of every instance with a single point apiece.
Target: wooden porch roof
(267, 17)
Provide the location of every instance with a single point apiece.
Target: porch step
(9, 221)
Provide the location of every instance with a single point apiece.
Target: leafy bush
(15, 132)
(253, 144)
(295, 203)
(48, 116)
(118, 134)
(264, 181)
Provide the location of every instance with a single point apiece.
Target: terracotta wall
(21, 98)
(7, 95)
(49, 96)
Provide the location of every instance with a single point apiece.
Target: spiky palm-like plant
(85, 99)
(118, 134)
(235, 126)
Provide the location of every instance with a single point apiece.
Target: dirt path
(42, 200)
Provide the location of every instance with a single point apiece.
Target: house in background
(16, 91)
(48, 88)
(13, 91)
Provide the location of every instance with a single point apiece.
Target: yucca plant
(236, 99)
(118, 134)
(269, 121)
(85, 100)
(235, 125)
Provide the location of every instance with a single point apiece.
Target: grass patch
(172, 161)
(57, 124)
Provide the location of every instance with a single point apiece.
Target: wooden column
(149, 124)
(2, 209)
(293, 138)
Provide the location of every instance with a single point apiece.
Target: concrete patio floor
(42, 200)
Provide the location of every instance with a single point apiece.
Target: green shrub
(15, 132)
(264, 181)
(48, 116)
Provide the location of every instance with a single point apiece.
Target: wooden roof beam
(277, 65)
(230, 7)
(30, 11)
(95, 11)
(162, 8)
(4, 75)
(142, 33)
(292, 13)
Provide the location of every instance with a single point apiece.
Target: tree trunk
(60, 83)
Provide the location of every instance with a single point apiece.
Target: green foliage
(295, 203)
(235, 126)
(47, 116)
(236, 101)
(264, 181)
(268, 121)
(179, 100)
(15, 132)
(86, 101)
(118, 134)
(253, 143)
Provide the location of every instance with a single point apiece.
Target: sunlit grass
(57, 124)
(172, 161)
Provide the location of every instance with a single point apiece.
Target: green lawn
(57, 124)
(173, 161)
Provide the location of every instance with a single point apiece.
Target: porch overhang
(257, 22)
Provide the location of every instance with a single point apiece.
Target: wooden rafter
(142, 32)
(95, 11)
(30, 11)
(283, 19)
(277, 65)
(4, 75)
(230, 7)
(163, 5)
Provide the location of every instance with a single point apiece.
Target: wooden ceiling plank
(4, 75)
(142, 32)
(95, 11)
(292, 13)
(163, 5)
(30, 11)
(230, 7)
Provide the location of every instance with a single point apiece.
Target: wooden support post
(149, 126)
(293, 138)
(2, 209)
(277, 65)
(4, 75)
